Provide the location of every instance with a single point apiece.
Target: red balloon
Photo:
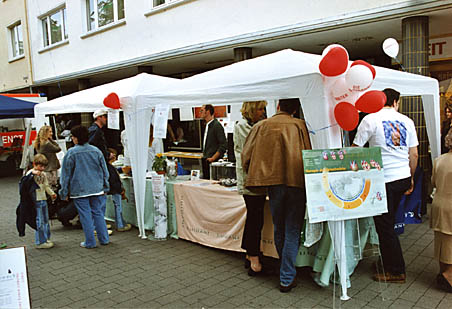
(362, 62)
(335, 62)
(112, 101)
(371, 101)
(346, 115)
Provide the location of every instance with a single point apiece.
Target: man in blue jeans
(279, 168)
(84, 177)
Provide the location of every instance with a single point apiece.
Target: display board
(345, 183)
(14, 292)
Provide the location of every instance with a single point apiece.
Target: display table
(129, 212)
(214, 216)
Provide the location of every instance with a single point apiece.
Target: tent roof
(256, 78)
(91, 99)
(15, 108)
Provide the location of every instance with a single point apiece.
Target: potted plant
(159, 164)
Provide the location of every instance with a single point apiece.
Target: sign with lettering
(9, 138)
(439, 49)
(345, 183)
(14, 292)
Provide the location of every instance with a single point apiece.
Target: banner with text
(215, 216)
(344, 183)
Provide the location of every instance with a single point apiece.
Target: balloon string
(312, 131)
(401, 65)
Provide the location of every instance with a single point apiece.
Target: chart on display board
(344, 183)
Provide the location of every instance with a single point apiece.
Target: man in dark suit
(214, 140)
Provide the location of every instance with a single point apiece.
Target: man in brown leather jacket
(272, 158)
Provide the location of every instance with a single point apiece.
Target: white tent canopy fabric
(284, 74)
(288, 74)
(137, 124)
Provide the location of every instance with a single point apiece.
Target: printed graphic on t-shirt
(395, 133)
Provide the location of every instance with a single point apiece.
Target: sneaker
(109, 232)
(45, 245)
(126, 227)
(388, 277)
(50, 242)
(109, 226)
(83, 245)
(287, 289)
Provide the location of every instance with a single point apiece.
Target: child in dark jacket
(116, 191)
(33, 189)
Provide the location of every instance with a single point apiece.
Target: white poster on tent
(160, 120)
(113, 119)
(186, 114)
(14, 291)
(161, 213)
(235, 114)
(271, 108)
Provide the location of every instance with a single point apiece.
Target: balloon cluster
(112, 101)
(348, 86)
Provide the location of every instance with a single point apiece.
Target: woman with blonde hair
(252, 112)
(44, 144)
(441, 216)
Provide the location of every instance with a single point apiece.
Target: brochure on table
(344, 183)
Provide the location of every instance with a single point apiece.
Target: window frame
(14, 42)
(96, 15)
(47, 35)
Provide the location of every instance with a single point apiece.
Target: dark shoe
(388, 277)
(443, 284)
(253, 273)
(287, 289)
(247, 263)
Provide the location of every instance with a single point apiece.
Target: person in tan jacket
(272, 158)
(441, 216)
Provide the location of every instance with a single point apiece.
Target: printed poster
(14, 279)
(345, 183)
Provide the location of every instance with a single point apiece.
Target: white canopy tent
(91, 99)
(284, 74)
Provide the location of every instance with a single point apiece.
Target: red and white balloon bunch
(348, 86)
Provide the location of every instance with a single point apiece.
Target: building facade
(15, 65)
(77, 44)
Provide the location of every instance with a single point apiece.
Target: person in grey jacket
(44, 144)
(252, 112)
(84, 178)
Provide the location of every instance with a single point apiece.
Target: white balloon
(329, 47)
(340, 91)
(359, 78)
(391, 47)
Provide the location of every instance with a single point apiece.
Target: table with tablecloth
(129, 211)
(214, 216)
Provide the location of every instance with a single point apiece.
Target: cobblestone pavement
(134, 273)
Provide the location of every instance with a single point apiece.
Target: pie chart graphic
(345, 191)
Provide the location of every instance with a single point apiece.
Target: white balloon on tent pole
(391, 47)
(339, 90)
(359, 78)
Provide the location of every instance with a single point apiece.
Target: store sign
(439, 49)
(9, 137)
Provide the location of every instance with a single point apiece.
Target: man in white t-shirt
(395, 134)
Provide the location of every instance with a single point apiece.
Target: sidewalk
(135, 273)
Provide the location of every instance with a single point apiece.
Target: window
(54, 27)
(157, 3)
(17, 42)
(103, 12)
